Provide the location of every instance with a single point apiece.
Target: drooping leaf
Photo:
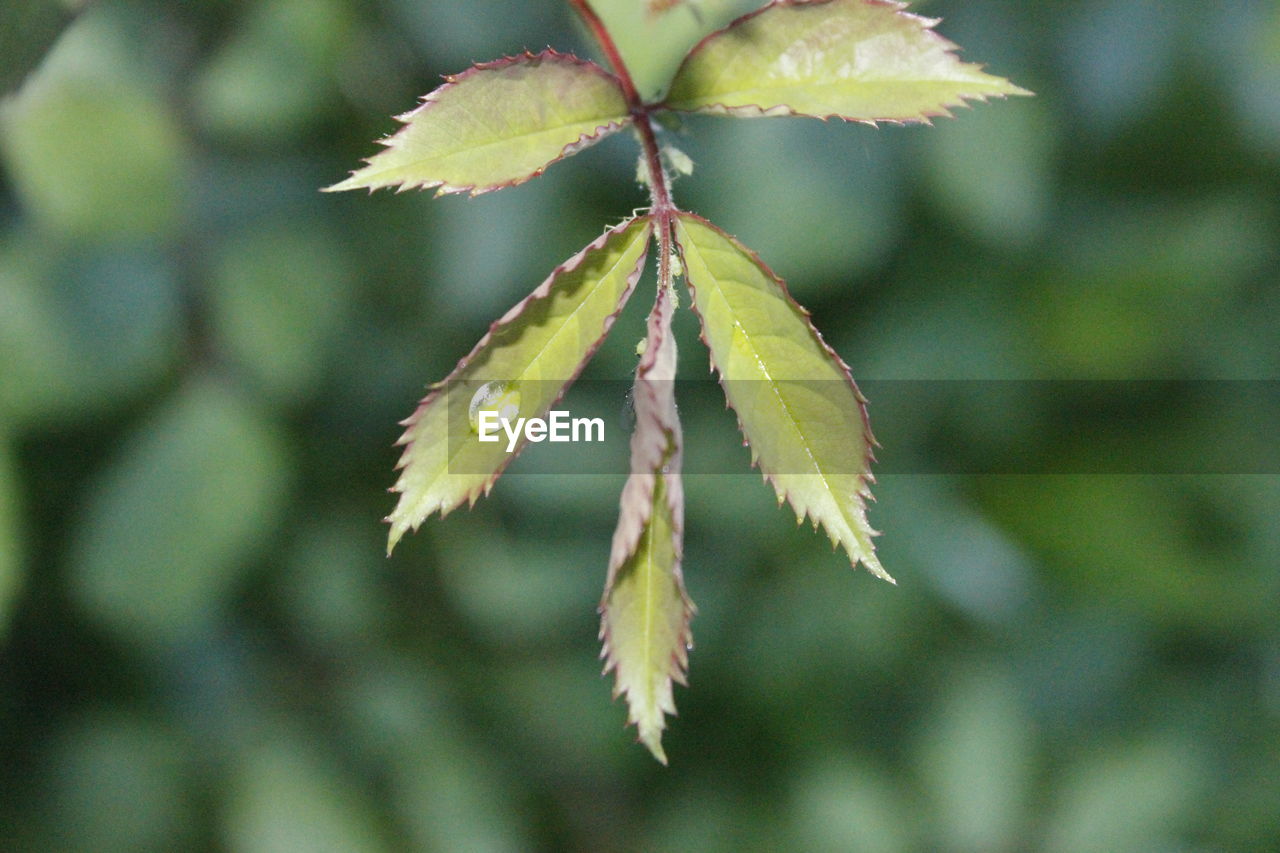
(645, 611)
(498, 124)
(645, 619)
(797, 404)
(526, 361)
(859, 60)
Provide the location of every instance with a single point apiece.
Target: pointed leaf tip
(496, 125)
(645, 616)
(857, 60)
(645, 611)
(796, 402)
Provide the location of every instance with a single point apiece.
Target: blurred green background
(203, 359)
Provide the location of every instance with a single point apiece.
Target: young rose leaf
(520, 368)
(645, 611)
(496, 125)
(645, 618)
(859, 60)
(797, 405)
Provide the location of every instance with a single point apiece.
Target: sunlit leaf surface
(527, 360)
(796, 402)
(497, 124)
(859, 60)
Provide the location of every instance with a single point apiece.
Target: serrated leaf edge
(649, 462)
(677, 669)
(785, 111)
(542, 291)
(430, 99)
(866, 477)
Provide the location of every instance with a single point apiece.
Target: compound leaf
(859, 60)
(496, 125)
(797, 405)
(524, 364)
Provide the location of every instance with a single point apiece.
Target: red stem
(662, 208)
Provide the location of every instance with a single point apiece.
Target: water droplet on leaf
(494, 396)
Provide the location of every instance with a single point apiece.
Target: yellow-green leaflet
(859, 60)
(796, 402)
(498, 124)
(645, 622)
(533, 352)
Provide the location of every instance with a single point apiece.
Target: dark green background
(203, 359)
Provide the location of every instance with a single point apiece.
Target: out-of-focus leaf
(80, 330)
(285, 798)
(528, 358)
(859, 60)
(518, 591)
(119, 783)
(10, 548)
(1136, 796)
(27, 28)
(839, 805)
(170, 523)
(332, 582)
(278, 296)
(843, 202)
(275, 73)
(796, 401)
(991, 170)
(498, 124)
(976, 760)
(88, 150)
(645, 609)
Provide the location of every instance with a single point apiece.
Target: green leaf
(797, 405)
(498, 124)
(170, 525)
(285, 795)
(645, 611)
(90, 151)
(859, 60)
(10, 541)
(645, 617)
(27, 29)
(528, 359)
(278, 296)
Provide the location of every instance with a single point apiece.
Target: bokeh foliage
(203, 358)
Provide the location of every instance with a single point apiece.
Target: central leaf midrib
(649, 596)
(790, 418)
(601, 126)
